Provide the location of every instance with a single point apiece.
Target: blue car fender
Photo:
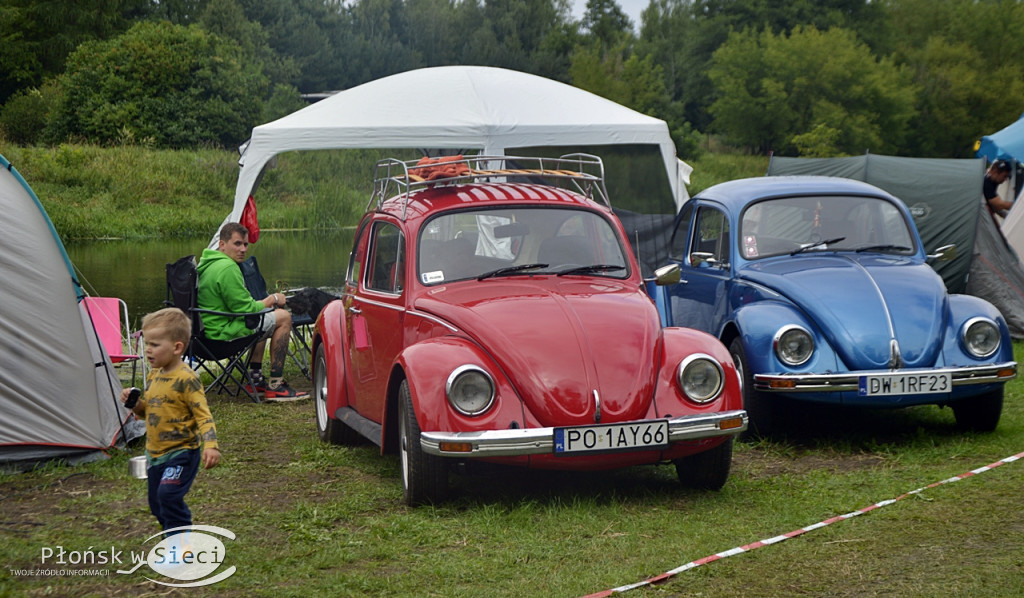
(758, 323)
(963, 308)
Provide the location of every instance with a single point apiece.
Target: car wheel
(328, 428)
(707, 470)
(424, 476)
(980, 413)
(762, 411)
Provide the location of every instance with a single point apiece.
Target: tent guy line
(799, 532)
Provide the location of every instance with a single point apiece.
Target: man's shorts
(269, 323)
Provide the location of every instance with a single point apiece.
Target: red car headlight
(470, 390)
(700, 378)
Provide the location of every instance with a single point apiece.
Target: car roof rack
(583, 173)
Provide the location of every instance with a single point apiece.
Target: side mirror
(667, 275)
(700, 257)
(944, 254)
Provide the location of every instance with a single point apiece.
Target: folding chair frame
(257, 286)
(108, 314)
(182, 292)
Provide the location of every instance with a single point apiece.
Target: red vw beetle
(493, 310)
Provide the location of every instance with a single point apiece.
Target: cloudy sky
(632, 8)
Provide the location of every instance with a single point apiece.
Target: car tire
(707, 470)
(762, 410)
(980, 413)
(424, 476)
(330, 430)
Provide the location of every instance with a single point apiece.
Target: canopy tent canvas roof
(58, 390)
(944, 197)
(462, 108)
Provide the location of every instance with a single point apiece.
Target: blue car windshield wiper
(593, 268)
(883, 247)
(510, 270)
(817, 244)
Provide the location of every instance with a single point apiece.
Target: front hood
(861, 302)
(560, 340)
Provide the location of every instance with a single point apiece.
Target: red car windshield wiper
(510, 270)
(589, 269)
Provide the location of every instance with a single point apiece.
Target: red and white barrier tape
(775, 540)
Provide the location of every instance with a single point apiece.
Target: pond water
(135, 270)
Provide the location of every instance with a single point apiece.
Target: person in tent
(996, 175)
(222, 288)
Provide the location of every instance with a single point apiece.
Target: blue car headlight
(470, 390)
(793, 345)
(700, 377)
(981, 337)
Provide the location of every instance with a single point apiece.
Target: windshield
(518, 242)
(827, 223)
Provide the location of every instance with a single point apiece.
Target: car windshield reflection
(484, 244)
(792, 225)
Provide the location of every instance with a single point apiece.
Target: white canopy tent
(461, 108)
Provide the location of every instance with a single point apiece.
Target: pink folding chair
(109, 317)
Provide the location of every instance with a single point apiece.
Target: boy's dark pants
(168, 485)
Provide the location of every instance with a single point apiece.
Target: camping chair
(109, 317)
(257, 286)
(182, 292)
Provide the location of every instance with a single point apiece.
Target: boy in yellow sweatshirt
(179, 426)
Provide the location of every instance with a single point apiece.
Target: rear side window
(710, 243)
(384, 271)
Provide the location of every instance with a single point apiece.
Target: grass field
(319, 520)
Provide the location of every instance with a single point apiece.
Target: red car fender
(427, 366)
(330, 332)
(679, 343)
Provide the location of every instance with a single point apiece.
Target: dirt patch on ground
(760, 464)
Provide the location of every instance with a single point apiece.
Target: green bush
(24, 116)
(160, 85)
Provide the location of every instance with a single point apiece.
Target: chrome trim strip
(536, 441)
(391, 306)
(849, 380)
(434, 319)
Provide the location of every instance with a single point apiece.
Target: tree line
(794, 77)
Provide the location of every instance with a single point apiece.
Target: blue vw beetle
(821, 289)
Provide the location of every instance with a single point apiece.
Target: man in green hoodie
(222, 288)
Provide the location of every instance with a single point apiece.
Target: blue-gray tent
(944, 197)
(59, 393)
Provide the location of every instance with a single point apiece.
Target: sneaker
(259, 384)
(283, 393)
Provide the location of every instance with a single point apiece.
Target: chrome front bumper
(536, 441)
(988, 374)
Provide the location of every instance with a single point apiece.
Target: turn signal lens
(456, 447)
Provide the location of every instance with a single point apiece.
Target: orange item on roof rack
(445, 167)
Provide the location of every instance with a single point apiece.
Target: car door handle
(355, 310)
